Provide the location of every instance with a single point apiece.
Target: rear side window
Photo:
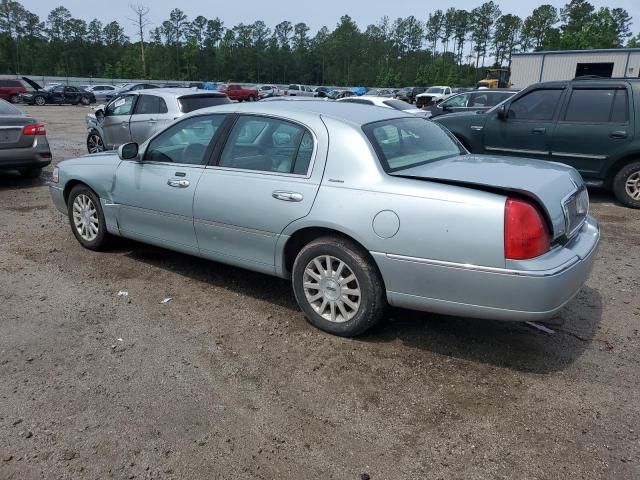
(536, 105)
(620, 110)
(196, 102)
(150, 104)
(590, 106)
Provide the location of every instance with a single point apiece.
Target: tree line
(446, 47)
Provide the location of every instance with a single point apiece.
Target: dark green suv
(589, 124)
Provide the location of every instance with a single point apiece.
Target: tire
(252, 98)
(85, 101)
(31, 172)
(39, 101)
(328, 307)
(14, 99)
(95, 143)
(84, 210)
(626, 185)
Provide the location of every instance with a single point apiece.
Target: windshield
(435, 90)
(266, 87)
(196, 102)
(7, 109)
(408, 142)
(398, 104)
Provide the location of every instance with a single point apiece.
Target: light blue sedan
(362, 207)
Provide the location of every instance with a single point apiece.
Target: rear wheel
(30, 172)
(338, 286)
(252, 98)
(85, 101)
(95, 143)
(626, 185)
(39, 100)
(14, 99)
(87, 218)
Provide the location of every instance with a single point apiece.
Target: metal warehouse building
(528, 68)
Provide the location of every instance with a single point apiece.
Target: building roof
(574, 52)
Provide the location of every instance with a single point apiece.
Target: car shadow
(511, 345)
(12, 180)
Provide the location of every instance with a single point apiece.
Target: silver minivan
(135, 116)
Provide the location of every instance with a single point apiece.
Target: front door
(528, 127)
(155, 195)
(262, 182)
(149, 117)
(57, 95)
(115, 124)
(594, 127)
(72, 95)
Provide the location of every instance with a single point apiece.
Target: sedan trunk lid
(11, 132)
(553, 186)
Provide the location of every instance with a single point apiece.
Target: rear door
(594, 127)
(528, 127)
(149, 117)
(116, 121)
(267, 176)
(72, 95)
(57, 95)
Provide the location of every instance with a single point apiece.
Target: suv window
(294, 87)
(267, 145)
(185, 142)
(121, 106)
(196, 102)
(620, 110)
(594, 106)
(535, 105)
(150, 104)
(459, 101)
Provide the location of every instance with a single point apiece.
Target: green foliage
(444, 47)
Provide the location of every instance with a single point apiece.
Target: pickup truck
(238, 92)
(433, 95)
(295, 90)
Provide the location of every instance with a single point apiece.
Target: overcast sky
(273, 12)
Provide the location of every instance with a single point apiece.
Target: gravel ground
(228, 381)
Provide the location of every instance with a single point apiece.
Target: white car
(384, 102)
(268, 91)
(433, 95)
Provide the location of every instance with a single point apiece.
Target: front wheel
(338, 287)
(39, 101)
(87, 218)
(626, 185)
(252, 98)
(95, 143)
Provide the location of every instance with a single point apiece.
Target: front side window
(593, 106)
(536, 105)
(268, 145)
(149, 105)
(185, 142)
(408, 142)
(121, 106)
(459, 101)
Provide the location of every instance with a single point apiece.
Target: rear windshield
(196, 102)
(7, 109)
(398, 104)
(408, 142)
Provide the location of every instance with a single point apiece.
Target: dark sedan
(58, 94)
(477, 100)
(23, 142)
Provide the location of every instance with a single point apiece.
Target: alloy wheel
(332, 289)
(95, 143)
(632, 185)
(85, 217)
(40, 101)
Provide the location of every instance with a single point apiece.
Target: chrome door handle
(539, 131)
(125, 124)
(153, 121)
(178, 183)
(287, 196)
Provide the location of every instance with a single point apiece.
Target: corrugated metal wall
(525, 69)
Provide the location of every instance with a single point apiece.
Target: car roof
(175, 92)
(351, 113)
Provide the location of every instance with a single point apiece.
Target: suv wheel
(86, 218)
(626, 185)
(338, 287)
(94, 142)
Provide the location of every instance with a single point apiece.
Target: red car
(235, 91)
(10, 90)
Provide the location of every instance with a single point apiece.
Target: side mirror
(502, 112)
(446, 107)
(128, 151)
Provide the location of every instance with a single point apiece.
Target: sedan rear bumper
(536, 290)
(37, 156)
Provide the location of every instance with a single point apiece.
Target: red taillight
(525, 231)
(34, 129)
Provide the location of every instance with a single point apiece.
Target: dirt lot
(227, 381)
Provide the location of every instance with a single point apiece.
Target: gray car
(136, 115)
(101, 92)
(362, 207)
(23, 142)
